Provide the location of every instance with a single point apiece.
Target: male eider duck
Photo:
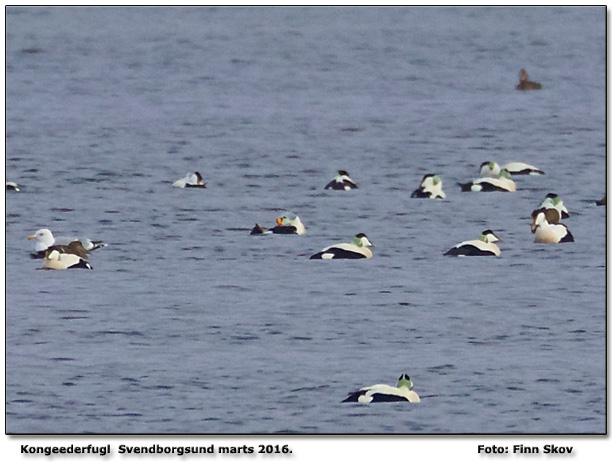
(341, 181)
(286, 224)
(553, 201)
(357, 249)
(483, 246)
(489, 169)
(381, 393)
(525, 83)
(192, 180)
(546, 232)
(521, 168)
(503, 183)
(12, 186)
(56, 260)
(45, 241)
(431, 187)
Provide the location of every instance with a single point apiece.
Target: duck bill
(279, 221)
(31, 237)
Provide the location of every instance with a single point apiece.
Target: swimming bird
(602, 201)
(56, 260)
(381, 393)
(521, 168)
(553, 201)
(45, 241)
(489, 169)
(12, 186)
(356, 249)
(341, 181)
(503, 183)
(431, 187)
(525, 83)
(546, 232)
(286, 224)
(553, 217)
(483, 246)
(192, 180)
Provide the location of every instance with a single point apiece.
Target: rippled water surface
(188, 324)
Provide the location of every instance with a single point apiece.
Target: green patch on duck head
(505, 174)
(404, 381)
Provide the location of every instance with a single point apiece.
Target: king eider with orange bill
(286, 224)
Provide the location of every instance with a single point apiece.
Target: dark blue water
(188, 324)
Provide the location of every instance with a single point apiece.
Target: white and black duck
(382, 393)
(359, 248)
(483, 246)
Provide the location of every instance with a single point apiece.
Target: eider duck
(341, 181)
(192, 180)
(553, 201)
(483, 246)
(602, 201)
(489, 169)
(45, 241)
(286, 224)
(356, 249)
(431, 187)
(525, 83)
(553, 217)
(12, 186)
(381, 393)
(521, 168)
(503, 183)
(56, 260)
(546, 232)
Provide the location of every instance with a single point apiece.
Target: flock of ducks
(68, 253)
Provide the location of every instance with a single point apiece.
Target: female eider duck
(552, 216)
(525, 83)
(431, 187)
(553, 201)
(286, 224)
(521, 168)
(602, 201)
(503, 183)
(54, 259)
(547, 232)
(381, 393)
(192, 180)
(483, 246)
(45, 241)
(357, 249)
(12, 186)
(341, 181)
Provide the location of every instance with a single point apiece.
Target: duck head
(361, 240)
(489, 236)
(404, 381)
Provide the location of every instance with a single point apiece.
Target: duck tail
(465, 187)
